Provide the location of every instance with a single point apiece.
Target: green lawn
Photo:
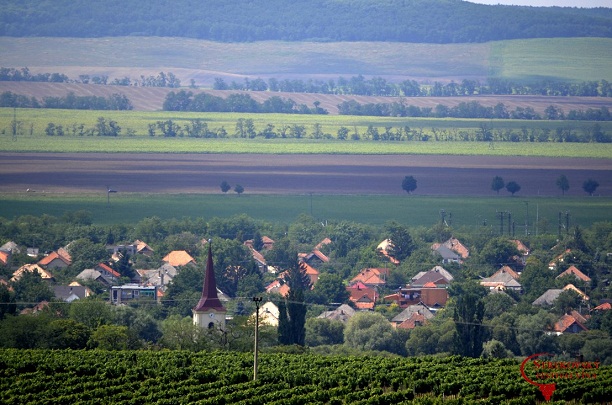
(409, 210)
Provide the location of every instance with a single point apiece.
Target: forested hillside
(429, 21)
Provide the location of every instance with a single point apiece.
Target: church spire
(209, 299)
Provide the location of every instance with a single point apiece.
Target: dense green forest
(439, 21)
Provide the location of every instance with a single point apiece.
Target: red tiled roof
(108, 269)
(371, 276)
(565, 322)
(457, 247)
(324, 242)
(383, 249)
(573, 270)
(415, 320)
(521, 247)
(4, 257)
(363, 299)
(604, 307)
(508, 270)
(320, 255)
(178, 258)
(51, 257)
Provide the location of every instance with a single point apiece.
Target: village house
(412, 316)
(55, 260)
(427, 287)
(343, 313)
(570, 323)
(268, 314)
(577, 274)
(95, 275)
(383, 249)
(69, 293)
(362, 296)
(503, 279)
(108, 272)
(179, 258)
(371, 277)
(454, 245)
(550, 295)
(34, 268)
(160, 277)
(121, 294)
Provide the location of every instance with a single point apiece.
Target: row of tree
(115, 101)
(470, 109)
(589, 186)
(204, 102)
(317, 20)
(23, 75)
(245, 128)
(378, 86)
(102, 127)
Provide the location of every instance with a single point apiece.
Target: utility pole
(527, 218)
(510, 223)
(257, 301)
(501, 215)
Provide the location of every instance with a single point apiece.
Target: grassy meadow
(32, 138)
(471, 212)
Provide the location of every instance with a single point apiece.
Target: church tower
(209, 312)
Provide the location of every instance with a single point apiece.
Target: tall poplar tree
(292, 311)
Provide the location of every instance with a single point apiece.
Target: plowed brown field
(152, 98)
(294, 174)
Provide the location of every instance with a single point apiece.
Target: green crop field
(560, 58)
(469, 212)
(32, 136)
(555, 59)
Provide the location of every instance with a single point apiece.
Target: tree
(291, 323)
(331, 288)
(590, 186)
(409, 184)
(225, 187)
(470, 334)
(368, 331)
(112, 337)
(497, 184)
(401, 245)
(67, 334)
(513, 187)
(324, 332)
(239, 189)
(563, 183)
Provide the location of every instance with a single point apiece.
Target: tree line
(246, 128)
(162, 79)
(470, 109)
(423, 21)
(204, 102)
(115, 101)
(378, 86)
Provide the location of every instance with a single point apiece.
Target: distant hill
(418, 21)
